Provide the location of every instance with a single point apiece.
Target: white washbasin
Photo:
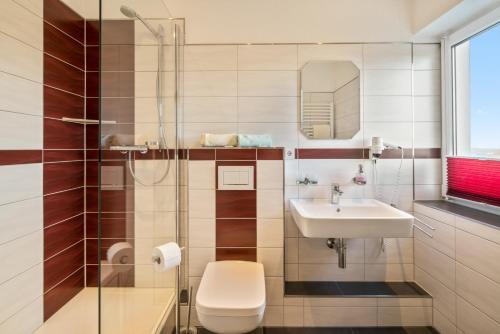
(352, 218)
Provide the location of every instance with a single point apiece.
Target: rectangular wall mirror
(329, 100)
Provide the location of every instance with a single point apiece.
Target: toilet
(231, 297)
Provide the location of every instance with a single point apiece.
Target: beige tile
(291, 272)
(270, 232)
(331, 272)
(210, 57)
(329, 52)
(146, 58)
(270, 203)
(267, 57)
(476, 228)
(293, 301)
(471, 320)
(405, 316)
(268, 109)
(13, 92)
(399, 272)
(26, 320)
(443, 237)
(210, 83)
(269, 174)
(34, 6)
(201, 232)
(404, 302)
(395, 250)
(393, 56)
(443, 298)
(21, 24)
(210, 109)
(20, 218)
(340, 316)
(20, 254)
(273, 316)
(442, 324)
(291, 229)
(435, 263)
(274, 291)
(267, 83)
(438, 215)
(201, 203)
(339, 302)
(479, 291)
(20, 131)
(23, 182)
(426, 56)
(272, 259)
(201, 175)
(293, 316)
(147, 112)
(387, 109)
(145, 84)
(291, 250)
(387, 82)
(20, 291)
(427, 82)
(478, 254)
(20, 59)
(198, 259)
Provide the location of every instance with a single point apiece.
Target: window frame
(449, 120)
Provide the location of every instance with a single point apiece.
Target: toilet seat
(232, 289)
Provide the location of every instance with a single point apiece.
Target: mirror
(329, 100)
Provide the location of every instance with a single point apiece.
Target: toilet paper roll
(120, 254)
(166, 256)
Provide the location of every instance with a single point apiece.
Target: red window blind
(474, 179)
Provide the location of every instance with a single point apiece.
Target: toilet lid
(232, 288)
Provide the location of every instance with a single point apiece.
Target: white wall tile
(20, 291)
(340, 316)
(442, 324)
(396, 250)
(293, 316)
(427, 82)
(198, 259)
(322, 272)
(427, 108)
(20, 131)
(443, 235)
(267, 83)
(273, 316)
(291, 250)
(145, 84)
(13, 93)
(270, 233)
(338, 302)
(439, 215)
(210, 109)
(392, 132)
(268, 109)
(202, 232)
(274, 291)
(269, 174)
(405, 316)
(480, 230)
(428, 171)
(405, 302)
(35, 6)
(272, 259)
(210, 83)
(387, 82)
(20, 218)
(387, 109)
(146, 58)
(478, 290)
(389, 272)
(210, 57)
(270, 203)
(478, 254)
(471, 320)
(193, 131)
(426, 56)
(329, 52)
(393, 56)
(20, 59)
(20, 254)
(26, 320)
(21, 24)
(428, 192)
(201, 174)
(427, 134)
(19, 182)
(267, 57)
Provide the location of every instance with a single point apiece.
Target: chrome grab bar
(425, 224)
(423, 231)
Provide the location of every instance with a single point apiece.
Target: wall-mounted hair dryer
(378, 146)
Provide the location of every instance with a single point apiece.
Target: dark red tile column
(63, 163)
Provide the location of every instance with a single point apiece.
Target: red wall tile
(236, 204)
(60, 266)
(201, 154)
(60, 236)
(62, 155)
(58, 104)
(61, 176)
(270, 153)
(62, 46)
(241, 254)
(62, 293)
(236, 233)
(61, 206)
(63, 76)
(16, 157)
(62, 135)
(236, 154)
(64, 18)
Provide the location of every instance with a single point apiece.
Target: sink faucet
(336, 193)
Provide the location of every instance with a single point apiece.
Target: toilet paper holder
(157, 259)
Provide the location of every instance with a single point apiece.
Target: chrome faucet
(336, 193)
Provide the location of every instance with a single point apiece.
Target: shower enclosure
(132, 170)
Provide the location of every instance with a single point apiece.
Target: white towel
(321, 131)
(222, 140)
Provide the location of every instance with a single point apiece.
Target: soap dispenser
(360, 177)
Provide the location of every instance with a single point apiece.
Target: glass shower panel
(138, 164)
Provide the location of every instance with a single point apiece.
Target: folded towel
(321, 131)
(255, 141)
(210, 139)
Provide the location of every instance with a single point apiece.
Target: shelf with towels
(85, 121)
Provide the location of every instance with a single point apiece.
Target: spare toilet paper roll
(119, 254)
(166, 256)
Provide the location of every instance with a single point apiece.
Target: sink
(352, 218)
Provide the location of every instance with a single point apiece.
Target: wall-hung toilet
(231, 297)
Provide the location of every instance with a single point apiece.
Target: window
(476, 74)
(473, 145)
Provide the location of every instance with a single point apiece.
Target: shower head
(130, 13)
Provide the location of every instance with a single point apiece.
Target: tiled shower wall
(255, 89)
